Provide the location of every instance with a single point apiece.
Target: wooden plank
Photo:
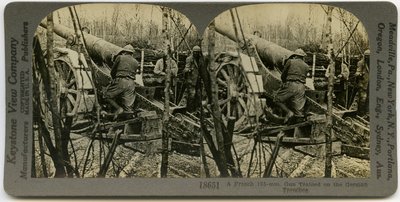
(284, 128)
(319, 150)
(290, 140)
(354, 151)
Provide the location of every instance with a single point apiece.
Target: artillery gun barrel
(99, 49)
(271, 54)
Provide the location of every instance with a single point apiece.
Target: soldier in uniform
(121, 92)
(161, 64)
(362, 75)
(290, 97)
(196, 72)
(341, 78)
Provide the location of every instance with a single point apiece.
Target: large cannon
(102, 52)
(244, 78)
(77, 82)
(271, 54)
(266, 60)
(99, 49)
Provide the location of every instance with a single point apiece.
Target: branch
(348, 39)
(352, 37)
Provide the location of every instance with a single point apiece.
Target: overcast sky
(275, 14)
(258, 14)
(90, 12)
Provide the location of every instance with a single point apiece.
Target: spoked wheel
(68, 88)
(232, 94)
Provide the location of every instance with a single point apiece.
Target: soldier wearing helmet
(291, 95)
(121, 92)
(362, 76)
(195, 72)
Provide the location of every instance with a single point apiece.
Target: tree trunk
(329, 134)
(41, 69)
(60, 168)
(222, 165)
(204, 172)
(164, 158)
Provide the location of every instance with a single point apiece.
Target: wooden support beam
(228, 135)
(110, 154)
(271, 162)
(291, 140)
(268, 131)
(354, 151)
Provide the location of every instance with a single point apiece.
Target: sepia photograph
(135, 91)
(292, 87)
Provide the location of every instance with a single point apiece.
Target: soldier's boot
(269, 116)
(289, 113)
(119, 110)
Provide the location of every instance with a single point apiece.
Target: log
(354, 151)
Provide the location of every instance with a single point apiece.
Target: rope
(260, 152)
(92, 69)
(240, 58)
(257, 120)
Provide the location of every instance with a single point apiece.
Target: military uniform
(292, 91)
(160, 69)
(342, 74)
(192, 82)
(122, 88)
(344, 71)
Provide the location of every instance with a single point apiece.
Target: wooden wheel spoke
(222, 102)
(232, 96)
(240, 79)
(223, 72)
(220, 76)
(70, 74)
(72, 82)
(240, 88)
(72, 91)
(239, 109)
(240, 120)
(71, 99)
(221, 82)
(243, 104)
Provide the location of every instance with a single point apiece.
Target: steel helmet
(367, 52)
(299, 52)
(129, 48)
(196, 49)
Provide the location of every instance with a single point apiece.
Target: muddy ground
(128, 163)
